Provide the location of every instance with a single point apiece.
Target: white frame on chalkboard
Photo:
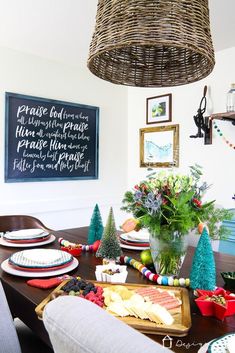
(15, 172)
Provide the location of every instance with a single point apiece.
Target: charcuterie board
(181, 314)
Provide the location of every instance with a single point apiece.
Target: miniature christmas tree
(203, 274)
(110, 246)
(96, 226)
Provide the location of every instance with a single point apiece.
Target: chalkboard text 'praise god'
(50, 139)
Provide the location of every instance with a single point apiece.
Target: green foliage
(96, 226)
(110, 246)
(213, 217)
(203, 273)
(175, 201)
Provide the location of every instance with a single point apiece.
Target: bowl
(73, 251)
(111, 273)
(229, 279)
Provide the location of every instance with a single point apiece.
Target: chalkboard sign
(50, 140)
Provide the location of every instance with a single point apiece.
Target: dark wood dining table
(23, 298)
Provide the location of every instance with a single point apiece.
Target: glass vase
(168, 250)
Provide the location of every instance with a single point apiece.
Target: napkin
(47, 283)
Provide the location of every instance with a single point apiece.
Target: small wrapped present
(219, 303)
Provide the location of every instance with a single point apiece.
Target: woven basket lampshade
(152, 43)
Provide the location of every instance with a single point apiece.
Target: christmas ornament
(146, 257)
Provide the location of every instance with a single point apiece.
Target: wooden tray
(182, 316)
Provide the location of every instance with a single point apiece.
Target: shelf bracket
(230, 117)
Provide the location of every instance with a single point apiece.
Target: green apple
(146, 257)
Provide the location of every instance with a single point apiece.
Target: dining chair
(15, 336)
(17, 222)
(227, 245)
(9, 342)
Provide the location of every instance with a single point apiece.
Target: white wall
(67, 204)
(218, 159)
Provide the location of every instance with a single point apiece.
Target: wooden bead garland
(154, 277)
(162, 280)
(216, 127)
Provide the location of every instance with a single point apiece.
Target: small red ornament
(96, 245)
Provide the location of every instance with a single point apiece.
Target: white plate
(25, 234)
(12, 271)
(27, 245)
(139, 237)
(203, 349)
(40, 258)
(127, 238)
(124, 246)
(220, 344)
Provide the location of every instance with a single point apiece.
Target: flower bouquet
(169, 205)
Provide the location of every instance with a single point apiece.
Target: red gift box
(209, 303)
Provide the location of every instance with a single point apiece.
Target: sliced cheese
(136, 298)
(141, 309)
(115, 297)
(124, 292)
(128, 305)
(118, 308)
(158, 312)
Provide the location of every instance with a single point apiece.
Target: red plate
(28, 241)
(132, 243)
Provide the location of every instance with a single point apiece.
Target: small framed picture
(158, 109)
(159, 146)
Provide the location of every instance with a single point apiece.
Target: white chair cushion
(76, 325)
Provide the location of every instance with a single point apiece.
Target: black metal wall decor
(202, 123)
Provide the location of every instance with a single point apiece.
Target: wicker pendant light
(152, 43)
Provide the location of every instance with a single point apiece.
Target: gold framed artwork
(159, 146)
(158, 109)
